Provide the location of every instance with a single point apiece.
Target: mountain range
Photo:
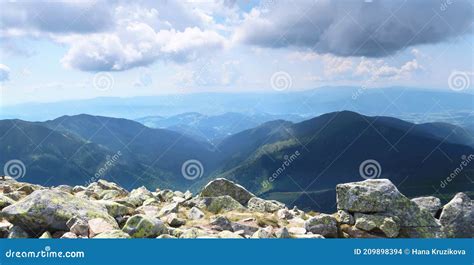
(298, 163)
(212, 128)
(412, 104)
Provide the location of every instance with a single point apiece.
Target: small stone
(17, 232)
(166, 236)
(99, 225)
(115, 209)
(310, 235)
(144, 226)
(284, 214)
(106, 185)
(46, 235)
(193, 233)
(178, 200)
(149, 210)
(195, 213)
(261, 205)
(77, 189)
(151, 201)
(228, 234)
(65, 188)
(4, 228)
(78, 227)
(323, 224)
(344, 217)
(282, 233)
(248, 229)
(69, 235)
(262, 233)
(221, 223)
(169, 208)
(297, 230)
(173, 220)
(187, 195)
(137, 196)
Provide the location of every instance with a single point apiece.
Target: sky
(54, 51)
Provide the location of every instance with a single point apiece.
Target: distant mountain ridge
(401, 102)
(331, 147)
(212, 128)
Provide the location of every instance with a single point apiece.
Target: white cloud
(4, 73)
(135, 45)
(379, 69)
(332, 65)
(115, 35)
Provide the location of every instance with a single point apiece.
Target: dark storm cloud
(56, 17)
(356, 28)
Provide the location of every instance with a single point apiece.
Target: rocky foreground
(223, 209)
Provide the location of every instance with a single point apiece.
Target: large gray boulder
(369, 196)
(381, 196)
(222, 187)
(49, 210)
(220, 204)
(429, 203)
(457, 217)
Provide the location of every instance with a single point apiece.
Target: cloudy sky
(55, 51)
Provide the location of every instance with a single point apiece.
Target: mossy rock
(49, 210)
(222, 187)
(220, 204)
(141, 226)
